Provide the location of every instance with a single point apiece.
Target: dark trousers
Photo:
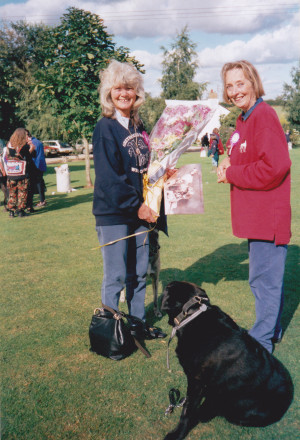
(4, 189)
(40, 184)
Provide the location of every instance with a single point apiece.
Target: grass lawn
(53, 387)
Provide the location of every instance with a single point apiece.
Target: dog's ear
(171, 297)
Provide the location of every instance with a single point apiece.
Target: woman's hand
(147, 214)
(221, 171)
(31, 145)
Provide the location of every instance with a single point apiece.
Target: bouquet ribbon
(152, 192)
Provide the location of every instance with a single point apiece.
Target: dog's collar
(190, 310)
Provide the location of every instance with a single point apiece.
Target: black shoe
(11, 214)
(22, 213)
(154, 333)
(31, 210)
(144, 331)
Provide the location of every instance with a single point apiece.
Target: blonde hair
(120, 74)
(250, 73)
(18, 139)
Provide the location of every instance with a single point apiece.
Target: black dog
(229, 373)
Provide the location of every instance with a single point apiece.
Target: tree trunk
(89, 183)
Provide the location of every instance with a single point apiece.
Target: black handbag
(110, 336)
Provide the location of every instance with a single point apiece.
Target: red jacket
(260, 178)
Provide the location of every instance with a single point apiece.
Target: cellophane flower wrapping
(175, 131)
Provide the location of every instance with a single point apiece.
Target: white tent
(213, 104)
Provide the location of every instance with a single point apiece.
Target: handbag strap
(120, 315)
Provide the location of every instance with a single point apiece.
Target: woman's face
(123, 98)
(239, 89)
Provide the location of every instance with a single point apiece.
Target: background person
(19, 149)
(213, 152)
(41, 167)
(288, 139)
(3, 181)
(205, 140)
(258, 170)
(121, 158)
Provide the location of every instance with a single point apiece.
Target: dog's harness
(190, 310)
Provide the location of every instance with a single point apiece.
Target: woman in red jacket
(258, 169)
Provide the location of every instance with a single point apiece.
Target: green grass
(53, 387)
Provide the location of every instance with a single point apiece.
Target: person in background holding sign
(19, 164)
(258, 169)
(121, 158)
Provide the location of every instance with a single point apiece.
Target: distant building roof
(212, 95)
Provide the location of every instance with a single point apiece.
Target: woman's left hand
(221, 171)
(147, 214)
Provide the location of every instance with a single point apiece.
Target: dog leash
(124, 238)
(175, 401)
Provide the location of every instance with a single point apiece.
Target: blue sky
(265, 32)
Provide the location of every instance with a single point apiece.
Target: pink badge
(146, 138)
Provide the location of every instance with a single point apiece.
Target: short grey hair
(120, 74)
(250, 73)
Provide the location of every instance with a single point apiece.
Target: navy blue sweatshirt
(121, 157)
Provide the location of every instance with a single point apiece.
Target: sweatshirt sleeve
(271, 167)
(111, 180)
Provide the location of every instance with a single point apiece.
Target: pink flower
(146, 138)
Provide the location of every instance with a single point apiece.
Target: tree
(64, 85)
(23, 48)
(291, 96)
(179, 68)
(151, 111)
(228, 123)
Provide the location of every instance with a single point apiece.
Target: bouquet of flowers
(175, 131)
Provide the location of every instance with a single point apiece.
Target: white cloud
(132, 17)
(268, 51)
(266, 34)
(129, 18)
(281, 45)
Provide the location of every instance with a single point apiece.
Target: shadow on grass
(63, 201)
(230, 263)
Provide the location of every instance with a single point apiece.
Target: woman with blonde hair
(121, 158)
(20, 152)
(258, 170)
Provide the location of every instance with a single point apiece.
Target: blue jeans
(124, 263)
(266, 274)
